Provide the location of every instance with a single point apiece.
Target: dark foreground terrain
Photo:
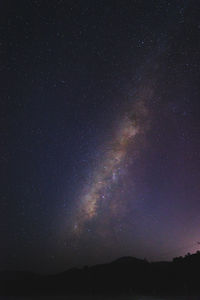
(100, 297)
(126, 276)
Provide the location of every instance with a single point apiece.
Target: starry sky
(100, 131)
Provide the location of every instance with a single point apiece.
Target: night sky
(100, 131)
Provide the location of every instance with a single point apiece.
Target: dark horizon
(83, 267)
(100, 131)
(127, 276)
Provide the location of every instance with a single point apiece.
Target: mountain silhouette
(123, 275)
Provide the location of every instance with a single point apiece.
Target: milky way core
(108, 172)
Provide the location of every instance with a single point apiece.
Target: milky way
(108, 172)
